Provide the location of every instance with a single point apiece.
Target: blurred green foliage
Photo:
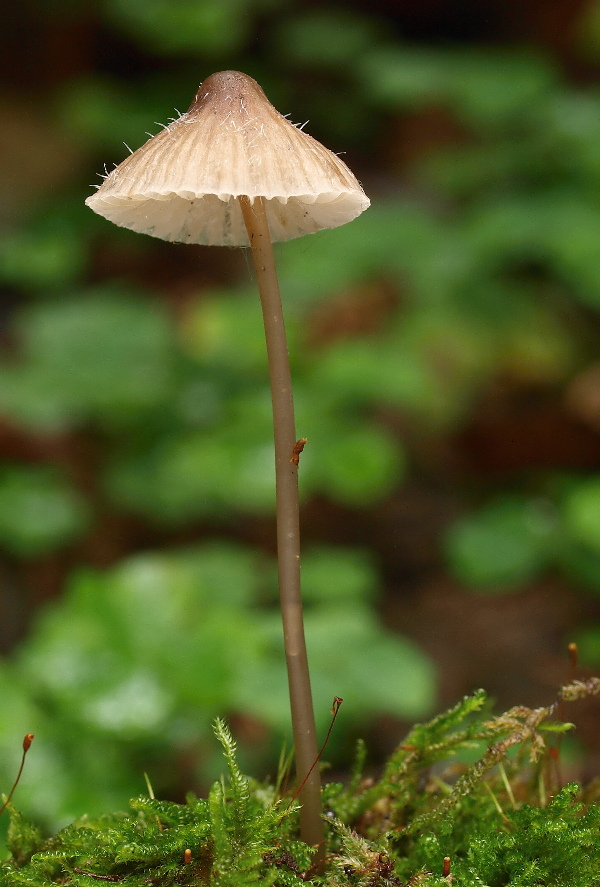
(504, 545)
(511, 540)
(104, 356)
(144, 656)
(39, 510)
(476, 265)
(212, 28)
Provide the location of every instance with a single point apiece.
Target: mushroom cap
(183, 184)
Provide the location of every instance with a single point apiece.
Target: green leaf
(225, 330)
(506, 544)
(359, 466)
(132, 650)
(185, 26)
(402, 77)
(494, 88)
(588, 646)
(116, 116)
(336, 575)
(482, 87)
(39, 510)
(326, 38)
(581, 514)
(47, 254)
(106, 355)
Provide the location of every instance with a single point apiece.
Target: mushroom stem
(288, 520)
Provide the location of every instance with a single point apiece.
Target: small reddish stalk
(337, 701)
(555, 753)
(573, 652)
(287, 452)
(28, 739)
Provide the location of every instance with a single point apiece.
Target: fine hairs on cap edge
(183, 184)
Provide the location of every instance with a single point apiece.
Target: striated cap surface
(183, 184)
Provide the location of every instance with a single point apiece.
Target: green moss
(502, 821)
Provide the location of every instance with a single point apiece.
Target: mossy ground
(429, 820)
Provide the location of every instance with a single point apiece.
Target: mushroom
(233, 171)
(184, 183)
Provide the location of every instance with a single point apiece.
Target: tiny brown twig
(297, 449)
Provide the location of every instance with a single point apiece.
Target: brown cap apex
(224, 89)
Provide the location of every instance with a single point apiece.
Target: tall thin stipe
(288, 519)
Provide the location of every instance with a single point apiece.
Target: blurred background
(446, 359)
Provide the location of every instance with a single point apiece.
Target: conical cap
(183, 184)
